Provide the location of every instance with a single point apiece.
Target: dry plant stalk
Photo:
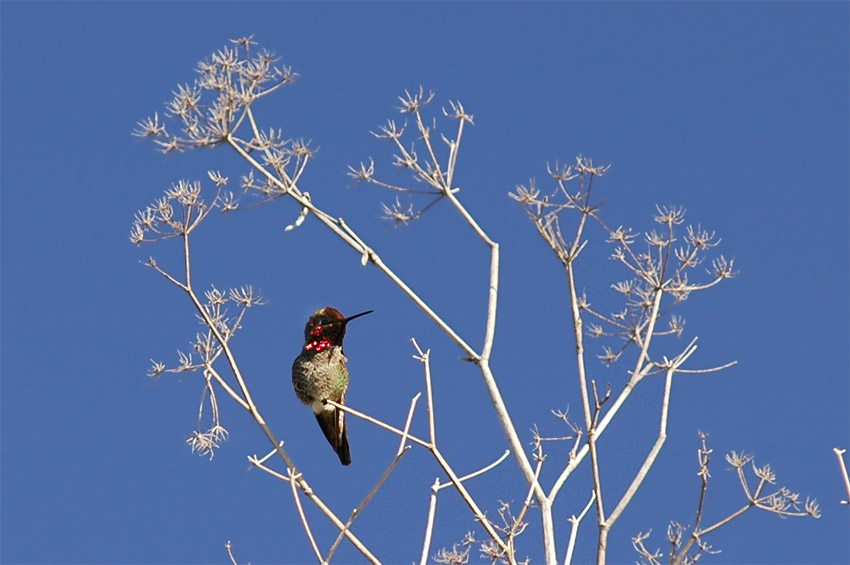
(217, 110)
(839, 453)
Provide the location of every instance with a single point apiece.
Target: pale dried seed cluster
(236, 77)
(428, 170)
(662, 265)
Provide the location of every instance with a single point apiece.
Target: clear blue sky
(736, 111)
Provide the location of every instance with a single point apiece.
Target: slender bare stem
(405, 435)
(528, 498)
(429, 525)
(225, 386)
(839, 453)
(724, 521)
(379, 423)
(704, 458)
(424, 358)
(229, 547)
(742, 478)
(479, 471)
(575, 521)
(265, 457)
(259, 465)
(589, 419)
(297, 498)
(709, 370)
(153, 265)
(649, 461)
(659, 442)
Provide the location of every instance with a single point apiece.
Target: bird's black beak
(357, 315)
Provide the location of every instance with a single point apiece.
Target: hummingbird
(319, 374)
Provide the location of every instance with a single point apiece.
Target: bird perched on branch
(319, 374)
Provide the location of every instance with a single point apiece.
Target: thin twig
(839, 453)
(259, 465)
(405, 435)
(424, 357)
(703, 455)
(225, 386)
(292, 482)
(528, 497)
(724, 521)
(649, 461)
(575, 521)
(229, 547)
(265, 457)
(429, 525)
(578, 334)
(480, 471)
(379, 423)
(710, 370)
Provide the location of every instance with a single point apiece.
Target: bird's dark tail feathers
(333, 426)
